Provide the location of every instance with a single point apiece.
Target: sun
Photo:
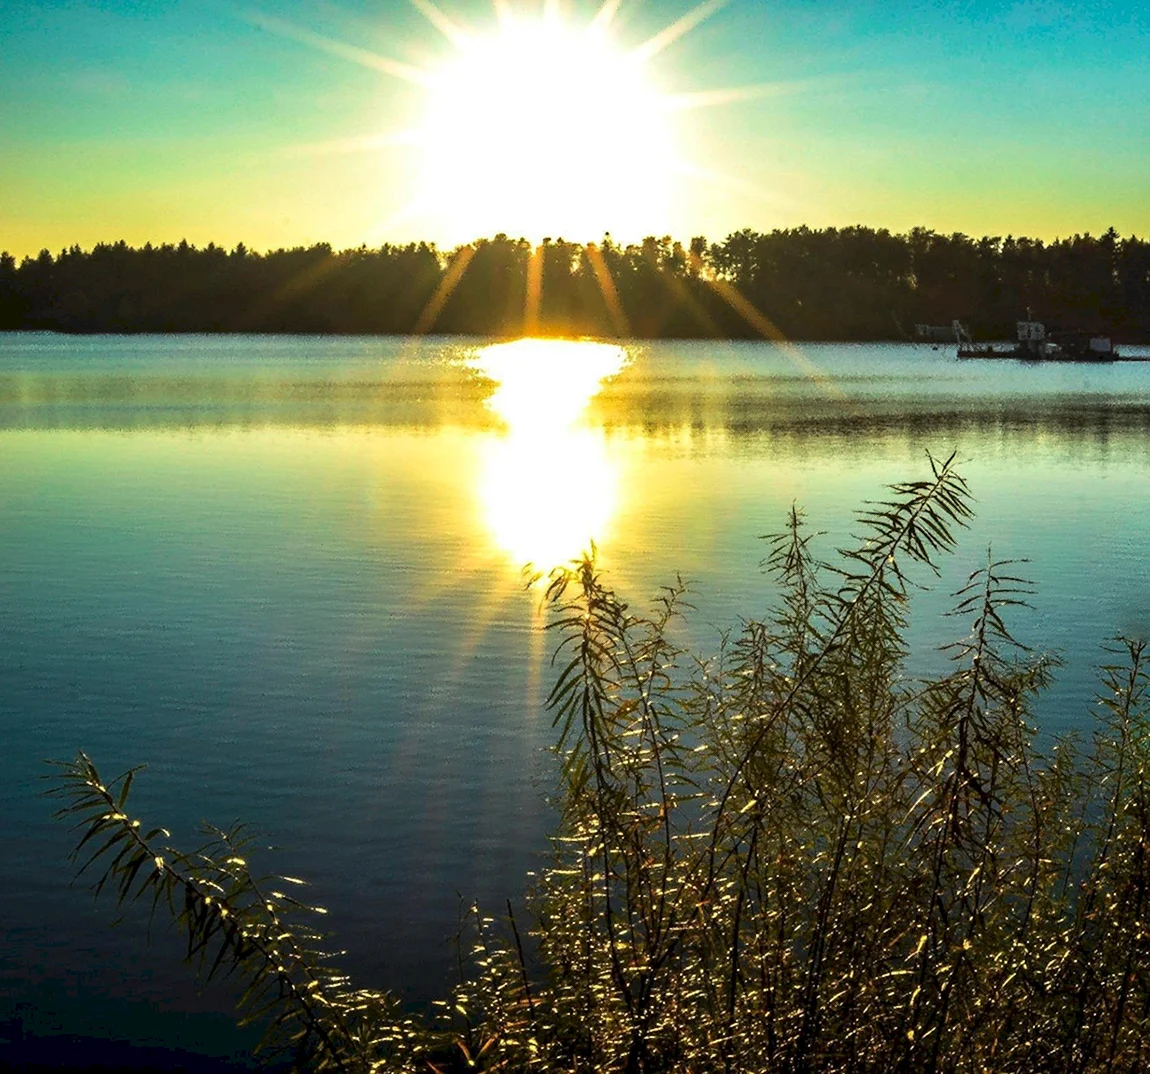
(543, 127)
(538, 121)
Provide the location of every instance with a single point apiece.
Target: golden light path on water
(547, 486)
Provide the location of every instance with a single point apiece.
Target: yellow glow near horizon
(543, 128)
(548, 486)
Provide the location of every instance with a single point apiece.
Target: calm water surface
(285, 572)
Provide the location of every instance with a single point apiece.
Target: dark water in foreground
(285, 573)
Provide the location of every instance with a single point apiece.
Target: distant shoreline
(494, 338)
(845, 285)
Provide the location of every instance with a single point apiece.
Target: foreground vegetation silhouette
(854, 283)
(784, 857)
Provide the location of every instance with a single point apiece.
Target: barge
(1034, 345)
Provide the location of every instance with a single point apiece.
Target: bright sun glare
(538, 122)
(548, 486)
(546, 127)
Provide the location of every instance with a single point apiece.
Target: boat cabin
(1032, 338)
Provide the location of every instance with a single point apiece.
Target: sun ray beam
(606, 14)
(767, 328)
(610, 291)
(714, 98)
(533, 299)
(361, 56)
(481, 615)
(665, 38)
(448, 284)
(363, 143)
(293, 288)
(758, 91)
(688, 301)
(758, 321)
(443, 23)
(538, 640)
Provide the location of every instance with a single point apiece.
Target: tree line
(853, 283)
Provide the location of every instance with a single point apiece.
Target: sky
(302, 121)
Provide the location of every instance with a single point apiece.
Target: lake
(286, 573)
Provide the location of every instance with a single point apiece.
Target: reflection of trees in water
(126, 403)
(797, 421)
(834, 284)
(118, 401)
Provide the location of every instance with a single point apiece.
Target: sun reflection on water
(548, 486)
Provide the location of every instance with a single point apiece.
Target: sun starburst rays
(539, 123)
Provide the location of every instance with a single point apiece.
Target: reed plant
(787, 856)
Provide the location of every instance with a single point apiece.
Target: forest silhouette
(854, 283)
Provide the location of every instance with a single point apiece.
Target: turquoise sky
(160, 120)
